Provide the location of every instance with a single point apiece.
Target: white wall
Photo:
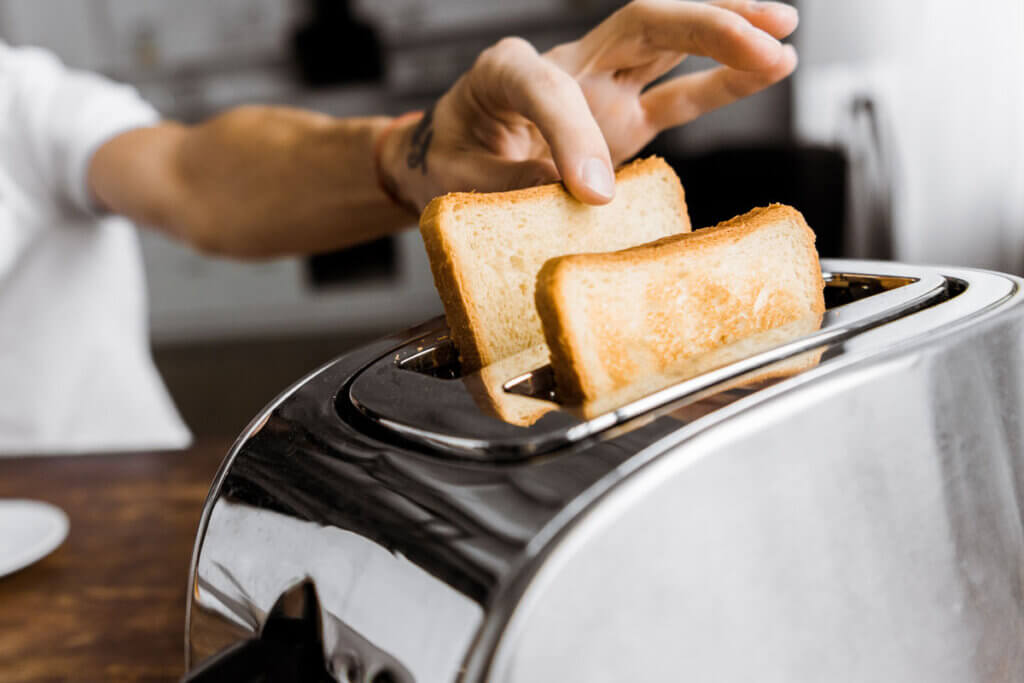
(131, 37)
(948, 77)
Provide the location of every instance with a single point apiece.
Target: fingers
(776, 18)
(512, 77)
(681, 100)
(737, 33)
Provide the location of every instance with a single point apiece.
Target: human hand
(518, 118)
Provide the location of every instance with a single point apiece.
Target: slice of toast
(486, 249)
(614, 319)
(712, 360)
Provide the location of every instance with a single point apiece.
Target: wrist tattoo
(422, 134)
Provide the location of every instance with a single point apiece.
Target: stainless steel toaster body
(860, 521)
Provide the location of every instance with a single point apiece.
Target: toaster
(387, 520)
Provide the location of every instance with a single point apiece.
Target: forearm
(254, 182)
(271, 181)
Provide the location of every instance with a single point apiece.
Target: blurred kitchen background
(899, 137)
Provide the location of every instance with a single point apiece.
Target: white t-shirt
(76, 373)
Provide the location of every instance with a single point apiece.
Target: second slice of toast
(614, 319)
(486, 249)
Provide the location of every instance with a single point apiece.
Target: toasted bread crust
(635, 168)
(724, 232)
(557, 333)
(449, 285)
(464, 320)
(556, 307)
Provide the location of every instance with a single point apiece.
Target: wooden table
(109, 604)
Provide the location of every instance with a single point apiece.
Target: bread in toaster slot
(488, 388)
(623, 322)
(485, 249)
(715, 359)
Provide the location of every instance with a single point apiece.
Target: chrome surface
(792, 543)
(859, 521)
(414, 390)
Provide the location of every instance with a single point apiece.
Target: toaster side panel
(863, 528)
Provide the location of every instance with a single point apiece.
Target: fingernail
(781, 8)
(598, 177)
(787, 11)
(766, 5)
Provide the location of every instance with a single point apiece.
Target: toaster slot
(841, 289)
(847, 288)
(539, 384)
(419, 393)
(436, 357)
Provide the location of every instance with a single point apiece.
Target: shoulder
(56, 117)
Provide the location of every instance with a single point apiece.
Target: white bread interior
(486, 249)
(488, 387)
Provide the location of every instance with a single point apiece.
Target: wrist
(391, 160)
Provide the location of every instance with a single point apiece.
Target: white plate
(29, 531)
